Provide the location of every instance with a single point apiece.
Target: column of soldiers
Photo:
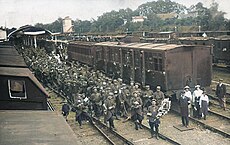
(92, 93)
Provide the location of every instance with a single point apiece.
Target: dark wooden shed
(18, 86)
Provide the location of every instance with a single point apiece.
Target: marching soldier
(154, 120)
(96, 99)
(109, 107)
(65, 110)
(159, 96)
(136, 110)
(81, 109)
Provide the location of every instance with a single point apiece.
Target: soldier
(96, 99)
(196, 101)
(138, 90)
(159, 96)
(183, 103)
(109, 107)
(65, 110)
(81, 109)
(147, 97)
(154, 120)
(221, 94)
(136, 110)
(204, 104)
(124, 101)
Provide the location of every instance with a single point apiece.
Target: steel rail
(126, 141)
(113, 132)
(50, 106)
(163, 136)
(225, 134)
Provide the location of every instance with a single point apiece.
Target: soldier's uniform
(147, 97)
(109, 107)
(159, 96)
(81, 109)
(96, 99)
(136, 110)
(154, 120)
(65, 110)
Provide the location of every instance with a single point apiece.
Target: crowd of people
(90, 92)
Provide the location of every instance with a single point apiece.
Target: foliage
(121, 21)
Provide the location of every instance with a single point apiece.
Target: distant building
(3, 35)
(136, 19)
(67, 25)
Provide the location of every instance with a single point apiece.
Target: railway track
(221, 68)
(125, 134)
(215, 122)
(112, 136)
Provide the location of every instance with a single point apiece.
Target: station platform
(21, 127)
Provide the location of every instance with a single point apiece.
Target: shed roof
(8, 51)
(35, 128)
(10, 57)
(22, 72)
(151, 46)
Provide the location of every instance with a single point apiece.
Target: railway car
(82, 51)
(19, 88)
(221, 46)
(169, 65)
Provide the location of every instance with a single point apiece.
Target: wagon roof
(10, 57)
(151, 46)
(22, 72)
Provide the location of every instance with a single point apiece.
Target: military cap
(158, 87)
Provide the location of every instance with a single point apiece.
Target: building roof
(29, 30)
(35, 127)
(160, 47)
(22, 72)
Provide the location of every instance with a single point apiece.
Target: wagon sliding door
(99, 61)
(127, 62)
(138, 66)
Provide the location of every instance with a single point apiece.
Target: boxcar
(81, 51)
(19, 88)
(169, 65)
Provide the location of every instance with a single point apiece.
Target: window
(17, 89)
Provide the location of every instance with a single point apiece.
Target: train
(19, 88)
(220, 41)
(171, 66)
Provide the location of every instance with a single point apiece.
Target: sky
(16, 13)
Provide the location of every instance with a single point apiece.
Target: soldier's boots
(136, 125)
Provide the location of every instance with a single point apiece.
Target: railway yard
(214, 130)
(67, 74)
